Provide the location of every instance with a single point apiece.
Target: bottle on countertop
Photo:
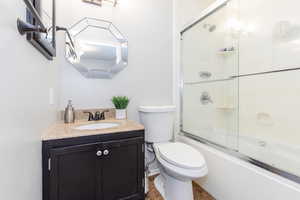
(69, 116)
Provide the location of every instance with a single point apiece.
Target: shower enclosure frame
(219, 4)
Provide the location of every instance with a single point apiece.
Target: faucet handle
(100, 115)
(91, 116)
(97, 116)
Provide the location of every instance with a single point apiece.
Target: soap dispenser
(69, 113)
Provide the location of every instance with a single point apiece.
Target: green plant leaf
(120, 102)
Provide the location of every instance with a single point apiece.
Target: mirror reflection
(97, 49)
(46, 11)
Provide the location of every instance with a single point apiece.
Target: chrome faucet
(205, 98)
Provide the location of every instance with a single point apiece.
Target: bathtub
(274, 153)
(232, 178)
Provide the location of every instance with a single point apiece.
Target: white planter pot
(121, 113)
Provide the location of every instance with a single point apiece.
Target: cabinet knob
(106, 152)
(99, 153)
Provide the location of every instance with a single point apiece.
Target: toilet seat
(173, 167)
(181, 155)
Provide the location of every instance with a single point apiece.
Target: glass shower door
(210, 91)
(269, 84)
(240, 82)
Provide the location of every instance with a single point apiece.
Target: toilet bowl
(178, 163)
(180, 160)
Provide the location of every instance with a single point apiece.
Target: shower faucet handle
(205, 98)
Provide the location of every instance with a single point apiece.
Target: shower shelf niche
(225, 53)
(225, 107)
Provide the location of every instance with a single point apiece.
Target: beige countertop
(60, 130)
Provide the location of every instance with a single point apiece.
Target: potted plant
(120, 103)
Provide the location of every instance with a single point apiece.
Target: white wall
(190, 9)
(25, 79)
(148, 77)
(27, 76)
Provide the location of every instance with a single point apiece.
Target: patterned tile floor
(199, 193)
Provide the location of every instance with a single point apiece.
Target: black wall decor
(44, 42)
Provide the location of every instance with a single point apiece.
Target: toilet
(178, 163)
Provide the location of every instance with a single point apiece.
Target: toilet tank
(158, 122)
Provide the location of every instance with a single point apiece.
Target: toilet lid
(181, 155)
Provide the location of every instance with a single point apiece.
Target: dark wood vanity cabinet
(102, 167)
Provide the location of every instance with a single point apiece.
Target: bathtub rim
(236, 154)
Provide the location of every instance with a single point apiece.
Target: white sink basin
(98, 126)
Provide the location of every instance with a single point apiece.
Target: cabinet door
(123, 169)
(75, 173)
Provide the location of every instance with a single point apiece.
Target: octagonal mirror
(96, 48)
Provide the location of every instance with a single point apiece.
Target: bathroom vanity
(103, 164)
